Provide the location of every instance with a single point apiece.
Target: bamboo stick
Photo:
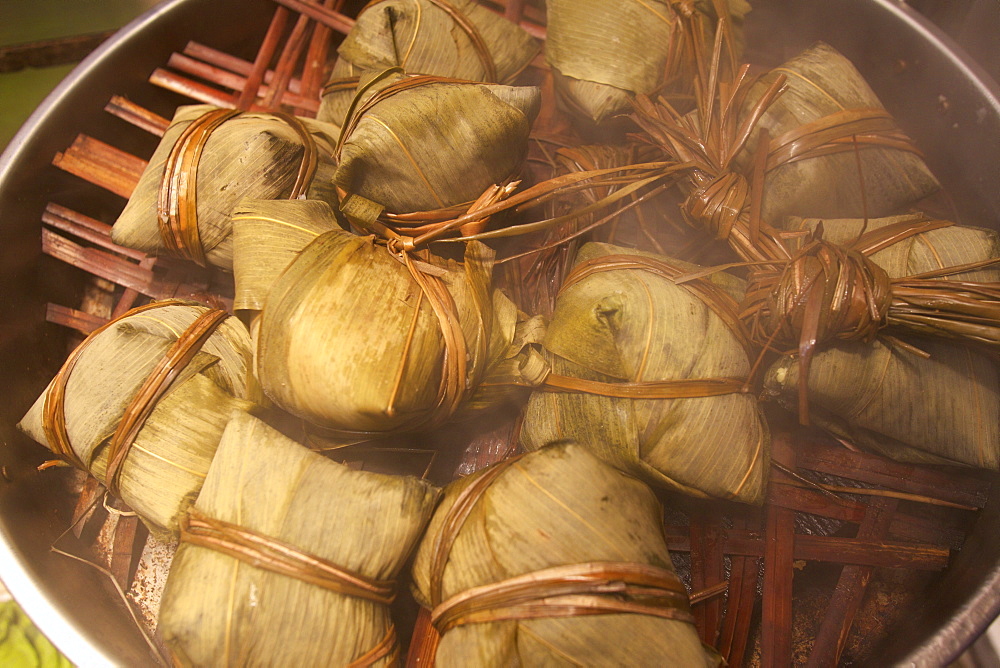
(72, 318)
(850, 590)
(249, 92)
(707, 570)
(741, 601)
(328, 17)
(138, 116)
(101, 164)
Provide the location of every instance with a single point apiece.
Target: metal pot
(943, 99)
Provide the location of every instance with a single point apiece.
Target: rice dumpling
(421, 144)
(288, 558)
(942, 409)
(652, 376)
(356, 338)
(267, 236)
(208, 160)
(949, 246)
(835, 151)
(553, 558)
(602, 53)
(150, 393)
(458, 39)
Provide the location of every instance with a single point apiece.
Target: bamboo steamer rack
(802, 580)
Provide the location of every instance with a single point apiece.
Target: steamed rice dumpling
(652, 376)
(358, 339)
(422, 145)
(602, 53)
(90, 413)
(288, 558)
(208, 160)
(943, 409)
(824, 95)
(267, 236)
(459, 39)
(951, 246)
(520, 562)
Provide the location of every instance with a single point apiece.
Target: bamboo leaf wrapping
(629, 325)
(945, 409)
(938, 249)
(172, 452)
(218, 610)
(350, 340)
(267, 236)
(423, 38)
(821, 82)
(603, 52)
(254, 154)
(558, 506)
(438, 145)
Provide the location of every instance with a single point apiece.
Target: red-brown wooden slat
(89, 500)
(65, 316)
(188, 88)
(125, 273)
(106, 265)
(734, 636)
(86, 228)
(707, 570)
(287, 61)
(831, 549)
(126, 532)
(201, 92)
(138, 116)
(849, 591)
(225, 61)
(248, 95)
(779, 555)
(965, 488)
(317, 12)
(317, 54)
(101, 164)
(130, 296)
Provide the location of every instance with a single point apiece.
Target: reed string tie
(177, 201)
(269, 554)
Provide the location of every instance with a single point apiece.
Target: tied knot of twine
(718, 203)
(829, 292)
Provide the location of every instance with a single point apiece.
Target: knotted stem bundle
(831, 292)
(810, 138)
